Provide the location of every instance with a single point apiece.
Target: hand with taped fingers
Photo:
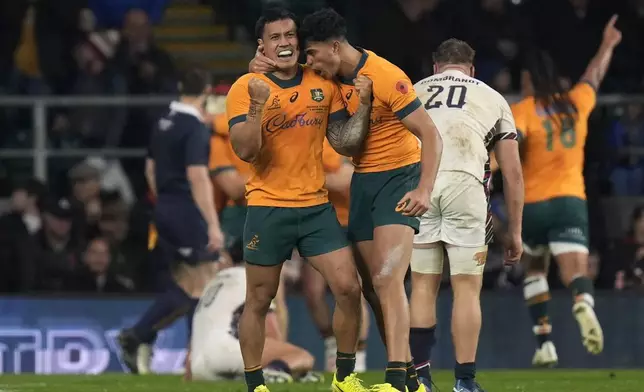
(414, 203)
(260, 63)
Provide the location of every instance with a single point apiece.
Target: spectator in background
(128, 253)
(497, 41)
(17, 244)
(94, 274)
(628, 132)
(11, 17)
(27, 76)
(148, 68)
(86, 189)
(114, 178)
(630, 255)
(98, 126)
(57, 247)
(111, 13)
(59, 27)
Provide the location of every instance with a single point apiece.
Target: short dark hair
(32, 186)
(323, 25)
(272, 13)
(194, 82)
(454, 51)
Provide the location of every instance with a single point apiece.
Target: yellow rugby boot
(261, 388)
(384, 388)
(351, 383)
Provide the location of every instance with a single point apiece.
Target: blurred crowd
(86, 230)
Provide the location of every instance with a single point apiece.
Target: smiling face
(280, 43)
(324, 58)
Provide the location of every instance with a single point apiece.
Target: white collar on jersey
(180, 107)
(453, 71)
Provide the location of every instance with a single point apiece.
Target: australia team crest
(317, 94)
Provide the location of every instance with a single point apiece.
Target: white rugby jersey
(220, 306)
(470, 117)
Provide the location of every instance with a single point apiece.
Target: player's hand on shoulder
(513, 249)
(364, 87)
(260, 63)
(612, 36)
(215, 238)
(414, 203)
(258, 90)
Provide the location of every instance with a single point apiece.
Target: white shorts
(218, 359)
(457, 213)
(462, 260)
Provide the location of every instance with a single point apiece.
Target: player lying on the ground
(215, 353)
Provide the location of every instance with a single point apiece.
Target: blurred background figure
(94, 273)
(628, 133)
(630, 258)
(17, 242)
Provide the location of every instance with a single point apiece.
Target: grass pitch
(492, 381)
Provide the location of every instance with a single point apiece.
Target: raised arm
(598, 66)
(347, 135)
(245, 110)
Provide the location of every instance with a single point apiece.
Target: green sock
(411, 381)
(583, 290)
(345, 364)
(254, 378)
(396, 374)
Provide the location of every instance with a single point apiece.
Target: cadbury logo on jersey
(279, 122)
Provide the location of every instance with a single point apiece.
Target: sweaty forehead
(279, 27)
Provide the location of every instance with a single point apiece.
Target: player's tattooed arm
(598, 66)
(246, 137)
(347, 136)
